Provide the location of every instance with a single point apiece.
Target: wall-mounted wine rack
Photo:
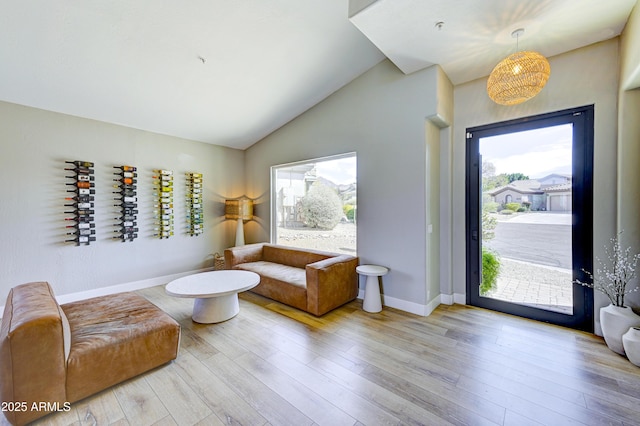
(195, 218)
(83, 228)
(126, 181)
(163, 180)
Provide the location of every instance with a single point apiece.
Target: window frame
(274, 191)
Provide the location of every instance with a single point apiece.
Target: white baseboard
(446, 299)
(459, 299)
(431, 306)
(404, 305)
(130, 286)
(119, 288)
(455, 298)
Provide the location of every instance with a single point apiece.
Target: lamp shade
(241, 208)
(518, 78)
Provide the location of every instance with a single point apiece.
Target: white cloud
(535, 153)
(535, 164)
(340, 171)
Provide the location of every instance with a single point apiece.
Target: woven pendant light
(518, 77)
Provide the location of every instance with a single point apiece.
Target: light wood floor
(274, 365)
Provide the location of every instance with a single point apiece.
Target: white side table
(372, 302)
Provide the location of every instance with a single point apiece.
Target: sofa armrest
(331, 283)
(32, 353)
(242, 254)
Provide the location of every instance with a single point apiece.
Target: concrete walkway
(545, 218)
(531, 284)
(534, 285)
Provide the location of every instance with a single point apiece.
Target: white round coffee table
(216, 293)
(372, 302)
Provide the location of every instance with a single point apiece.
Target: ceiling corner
(357, 6)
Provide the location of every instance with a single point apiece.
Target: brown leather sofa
(52, 355)
(310, 280)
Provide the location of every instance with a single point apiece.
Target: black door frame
(582, 223)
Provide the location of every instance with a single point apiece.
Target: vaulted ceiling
(230, 72)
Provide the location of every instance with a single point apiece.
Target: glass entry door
(529, 221)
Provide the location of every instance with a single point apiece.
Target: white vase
(616, 321)
(631, 343)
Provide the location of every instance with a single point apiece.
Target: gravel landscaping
(341, 239)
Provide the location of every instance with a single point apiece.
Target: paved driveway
(539, 238)
(542, 218)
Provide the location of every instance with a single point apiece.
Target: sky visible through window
(339, 171)
(534, 153)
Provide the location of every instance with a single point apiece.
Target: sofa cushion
(283, 283)
(290, 256)
(114, 338)
(245, 254)
(276, 271)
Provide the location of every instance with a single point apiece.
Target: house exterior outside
(292, 184)
(559, 197)
(549, 193)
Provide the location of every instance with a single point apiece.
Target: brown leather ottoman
(61, 354)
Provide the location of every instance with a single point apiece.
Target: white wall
(581, 77)
(381, 116)
(34, 145)
(630, 51)
(629, 141)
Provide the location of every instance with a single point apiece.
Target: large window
(314, 204)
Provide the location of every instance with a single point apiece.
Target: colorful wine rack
(82, 203)
(195, 217)
(163, 180)
(126, 181)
